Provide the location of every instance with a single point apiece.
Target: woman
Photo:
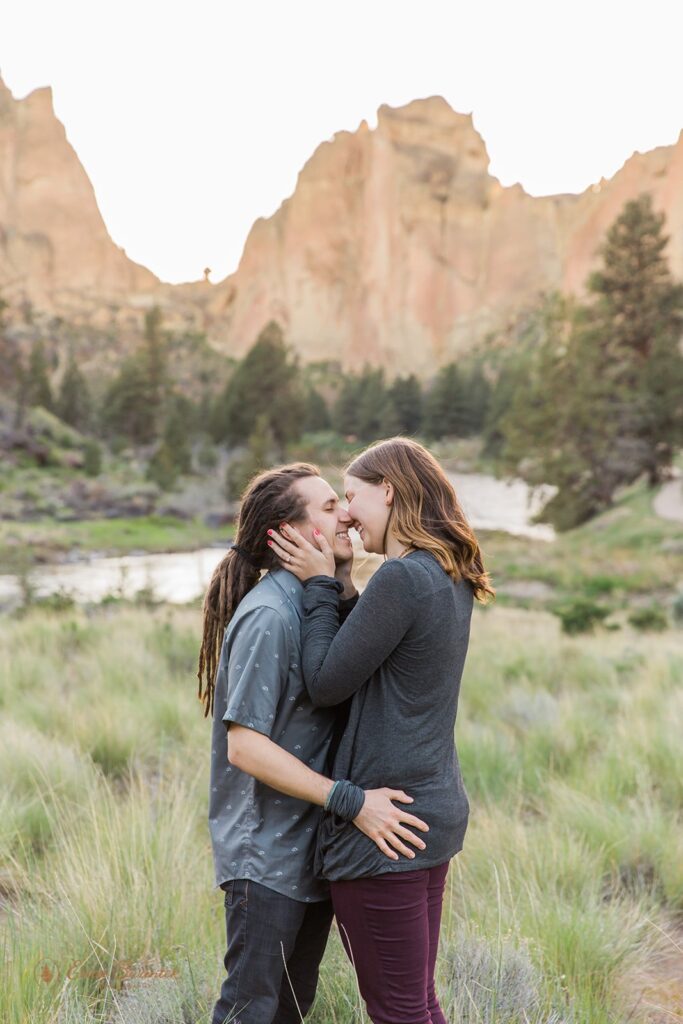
(398, 657)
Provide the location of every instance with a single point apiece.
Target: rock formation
(54, 247)
(397, 246)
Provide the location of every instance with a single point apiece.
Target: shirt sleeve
(337, 660)
(257, 669)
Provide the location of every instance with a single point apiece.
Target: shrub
(652, 619)
(581, 615)
(92, 461)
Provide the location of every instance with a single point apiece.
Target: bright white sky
(193, 117)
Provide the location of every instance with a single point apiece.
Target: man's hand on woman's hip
(385, 823)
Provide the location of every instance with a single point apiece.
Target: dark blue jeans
(264, 929)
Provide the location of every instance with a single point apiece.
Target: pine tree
(178, 428)
(637, 321)
(134, 400)
(38, 390)
(361, 406)
(475, 401)
(155, 364)
(599, 385)
(73, 402)
(92, 461)
(259, 455)
(372, 402)
(265, 383)
(406, 401)
(445, 404)
(126, 409)
(316, 415)
(344, 419)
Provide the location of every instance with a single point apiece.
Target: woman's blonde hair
(425, 512)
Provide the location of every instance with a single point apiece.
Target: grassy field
(562, 906)
(566, 904)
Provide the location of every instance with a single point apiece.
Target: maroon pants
(389, 925)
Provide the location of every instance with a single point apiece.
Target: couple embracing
(335, 784)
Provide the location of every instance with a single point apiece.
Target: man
(267, 794)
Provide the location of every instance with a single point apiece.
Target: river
(177, 577)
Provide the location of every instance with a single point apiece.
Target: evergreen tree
(260, 452)
(361, 406)
(344, 418)
(265, 383)
(162, 468)
(475, 401)
(92, 462)
(155, 363)
(73, 402)
(637, 321)
(127, 410)
(548, 426)
(134, 401)
(406, 406)
(316, 415)
(178, 427)
(598, 402)
(372, 402)
(37, 384)
(445, 412)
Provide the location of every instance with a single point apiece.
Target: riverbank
(52, 515)
(45, 542)
(625, 559)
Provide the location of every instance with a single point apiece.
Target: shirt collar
(291, 584)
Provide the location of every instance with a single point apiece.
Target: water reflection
(488, 503)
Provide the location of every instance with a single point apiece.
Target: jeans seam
(241, 960)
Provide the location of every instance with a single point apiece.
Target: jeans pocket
(228, 888)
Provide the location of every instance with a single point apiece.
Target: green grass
(46, 539)
(619, 555)
(572, 864)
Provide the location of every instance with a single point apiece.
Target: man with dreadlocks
(271, 751)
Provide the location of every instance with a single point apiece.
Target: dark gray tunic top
(399, 656)
(256, 831)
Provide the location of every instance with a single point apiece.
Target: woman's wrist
(335, 583)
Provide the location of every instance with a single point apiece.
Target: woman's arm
(338, 660)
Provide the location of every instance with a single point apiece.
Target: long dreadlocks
(269, 499)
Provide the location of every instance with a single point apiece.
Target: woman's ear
(388, 492)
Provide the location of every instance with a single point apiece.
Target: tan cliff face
(397, 246)
(54, 247)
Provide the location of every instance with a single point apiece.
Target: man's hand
(385, 823)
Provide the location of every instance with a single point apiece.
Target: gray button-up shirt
(256, 831)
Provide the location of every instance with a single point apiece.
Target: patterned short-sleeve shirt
(256, 831)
